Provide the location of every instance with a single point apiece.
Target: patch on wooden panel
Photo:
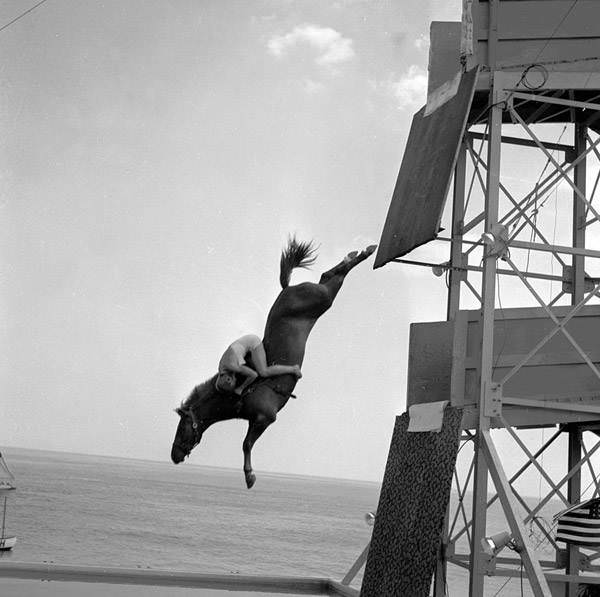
(412, 505)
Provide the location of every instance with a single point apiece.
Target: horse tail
(296, 254)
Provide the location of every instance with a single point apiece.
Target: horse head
(203, 407)
(194, 418)
(188, 435)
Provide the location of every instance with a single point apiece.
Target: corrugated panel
(427, 166)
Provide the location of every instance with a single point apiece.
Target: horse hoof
(370, 249)
(250, 480)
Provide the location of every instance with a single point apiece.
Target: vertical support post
(458, 216)
(454, 280)
(488, 299)
(573, 495)
(578, 288)
(579, 209)
(493, 8)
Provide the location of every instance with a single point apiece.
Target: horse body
(291, 319)
(289, 323)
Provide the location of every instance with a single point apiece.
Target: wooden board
(555, 55)
(430, 361)
(562, 35)
(539, 19)
(418, 201)
(557, 372)
(444, 53)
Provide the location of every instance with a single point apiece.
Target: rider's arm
(250, 374)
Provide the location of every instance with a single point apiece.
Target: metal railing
(173, 578)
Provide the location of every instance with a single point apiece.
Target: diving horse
(290, 320)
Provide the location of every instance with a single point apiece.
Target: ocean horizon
(82, 509)
(259, 472)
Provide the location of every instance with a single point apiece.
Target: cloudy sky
(154, 157)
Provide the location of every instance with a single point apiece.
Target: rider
(233, 362)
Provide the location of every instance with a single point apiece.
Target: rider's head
(226, 381)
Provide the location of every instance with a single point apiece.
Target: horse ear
(178, 411)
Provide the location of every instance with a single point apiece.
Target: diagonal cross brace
(572, 472)
(555, 163)
(532, 459)
(461, 508)
(539, 584)
(560, 326)
(515, 204)
(541, 189)
(523, 468)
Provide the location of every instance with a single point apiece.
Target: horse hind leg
(343, 267)
(255, 429)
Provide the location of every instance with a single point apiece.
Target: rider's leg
(259, 360)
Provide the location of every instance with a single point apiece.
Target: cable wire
(556, 29)
(502, 587)
(21, 15)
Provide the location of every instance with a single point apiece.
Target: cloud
(410, 90)
(333, 48)
(422, 42)
(312, 87)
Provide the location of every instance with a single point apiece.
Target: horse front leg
(255, 429)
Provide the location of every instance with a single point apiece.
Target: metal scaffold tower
(578, 409)
(531, 66)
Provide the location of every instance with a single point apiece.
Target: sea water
(92, 510)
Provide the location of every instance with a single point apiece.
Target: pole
(578, 288)
(458, 214)
(488, 300)
(454, 279)
(3, 518)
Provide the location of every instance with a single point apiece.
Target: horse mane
(296, 254)
(201, 391)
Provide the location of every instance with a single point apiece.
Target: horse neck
(209, 404)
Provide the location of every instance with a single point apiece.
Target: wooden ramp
(412, 505)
